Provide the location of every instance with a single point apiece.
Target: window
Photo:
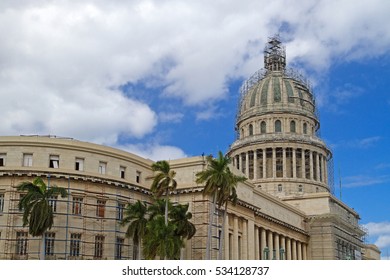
(122, 171)
(21, 243)
(280, 188)
(54, 162)
(75, 241)
(2, 159)
(120, 209)
(102, 167)
(79, 164)
(263, 127)
(292, 127)
(49, 243)
(20, 199)
(305, 128)
(27, 159)
(53, 203)
(300, 188)
(250, 130)
(99, 242)
(100, 208)
(76, 205)
(138, 176)
(1, 202)
(278, 126)
(119, 247)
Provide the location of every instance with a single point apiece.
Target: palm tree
(180, 216)
(37, 211)
(135, 216)
(163, 182)
(219, 183)
(161, 240)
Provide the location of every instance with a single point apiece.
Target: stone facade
(286, 210)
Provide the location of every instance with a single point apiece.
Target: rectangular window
(1, 202)
(2, 159)
(21, 243)
(100, 208)
(49, 243)
(20, 199)
(102, 167)
(119, 247)
(120, 209)
(122, 171)
(54, 162)
(27, 160)
(75, 244)
(76, 205)
(53, 203)
(79, 164)
(99, 242)
(138, 176)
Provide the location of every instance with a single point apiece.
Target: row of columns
(258, 243)
(282, 163)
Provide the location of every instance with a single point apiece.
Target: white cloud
(155, 151)
(61, 61)
(364, 180)
(380, 233)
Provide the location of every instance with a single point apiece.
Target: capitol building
(286, 210)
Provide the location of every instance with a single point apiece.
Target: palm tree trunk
(166, 207)
(42, 251)
(209, 230)
(221, 238)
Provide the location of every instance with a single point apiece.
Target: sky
(161, 78)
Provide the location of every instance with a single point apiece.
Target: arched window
(278, 126)
(292, 127)
(280, 188)
(304, 128)
(242, 133)
(250, 130)
(263, 127)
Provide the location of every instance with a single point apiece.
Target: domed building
(286, 210)
(279, 150)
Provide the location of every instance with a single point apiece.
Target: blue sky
(161, 78)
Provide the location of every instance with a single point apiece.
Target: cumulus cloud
(63, 63)
(380, 233)
(155, 151)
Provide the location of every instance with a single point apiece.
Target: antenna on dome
(274, 54)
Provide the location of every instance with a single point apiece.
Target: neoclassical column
(288, 249)
(240, 161)
(270, 244)
(247, 164)
(277, 246)
(284, 165)
(303, 171)
(283, 245)
(318, 166)
(263, 242)
(257, 244)
(299, 249)
(273, 163)
(304, 251)
(226, 238)
(255, 164)
(264, 163)
(235, 238)
(294, 249)
(311, 165)
(294, 155)
(251, 239)
(244, 241)
(326, 170)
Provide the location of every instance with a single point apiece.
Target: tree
(219, 183)
(163, 182)
(37, 211)
(135, 216)
(180, 216)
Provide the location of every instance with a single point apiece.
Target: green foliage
(37, 212)
(218, 180)
(159, 238)
(163, 180)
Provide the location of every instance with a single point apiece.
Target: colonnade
(250, 241)
(281, 162)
